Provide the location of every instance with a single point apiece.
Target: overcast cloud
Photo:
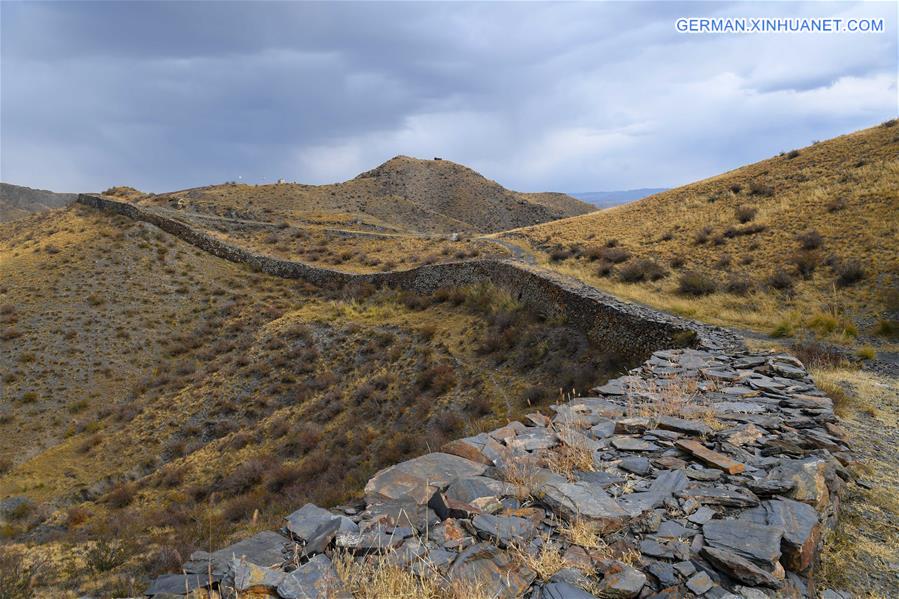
(539, 96)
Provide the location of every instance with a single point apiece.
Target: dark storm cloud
(536, 95)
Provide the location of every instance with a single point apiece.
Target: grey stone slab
(584, 500)
(419, 478)
(758, 543)
(316, 579)
(503, 529)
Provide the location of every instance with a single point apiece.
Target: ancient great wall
(708, 471)
(622, 327)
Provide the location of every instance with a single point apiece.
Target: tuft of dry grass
(545, 562)
(375, 577)
(584, 533)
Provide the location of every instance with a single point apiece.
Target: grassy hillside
(140, 374)
(802, 242)
(17, 201)
(402, 195)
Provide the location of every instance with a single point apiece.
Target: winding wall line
(618, 326)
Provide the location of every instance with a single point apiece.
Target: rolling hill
(17, 201)
(402, 195)
(804, 243)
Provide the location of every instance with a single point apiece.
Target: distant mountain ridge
(607, 199)
(17, 201)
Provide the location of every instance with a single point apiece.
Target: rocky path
(518, 252)
(698, 474)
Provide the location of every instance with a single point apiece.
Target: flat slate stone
(653, 548)
(470, 448)
(637, 465)
(419, 478)
(533, 439)
(476, 487)
(584, 500)
(740, 569)
(573, 438)
(685, 568)
(622, 582)
(316, 579)
(664, 573)
(712, 458)
(255, 579)
(702, 515)
(700, 583)
(494, 571)
(755, 542)
(504, 529)
(721, 496)
(681, 425)
(802, 531)
(563, 590)
(176, 584)
(672, 530)
(808, 480)
(603, 429)
(632, 444)
(304, 522)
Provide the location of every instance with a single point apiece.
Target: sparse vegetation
(697, 284)
(644, 269)
(745, 214)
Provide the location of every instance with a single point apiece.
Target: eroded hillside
(802, 242)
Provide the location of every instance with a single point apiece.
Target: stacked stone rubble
(702, 474)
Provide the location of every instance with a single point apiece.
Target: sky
(537, 96)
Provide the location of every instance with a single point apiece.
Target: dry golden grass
(545, 562)
(583, 533)
(349, 251)
(844, 190)
(864, 547)
(376, 578)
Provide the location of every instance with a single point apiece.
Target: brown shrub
(849, 273)
(738, 285)
(815, 354)
(806, 263)
(121, 496)
(702, 236)
(780, 280)
(449, 423)
(436, 380)
(758, 188)
(745, 214)
(243, 478)
(614, 255)
(643, 269)
(810, 240)
(696, 284)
